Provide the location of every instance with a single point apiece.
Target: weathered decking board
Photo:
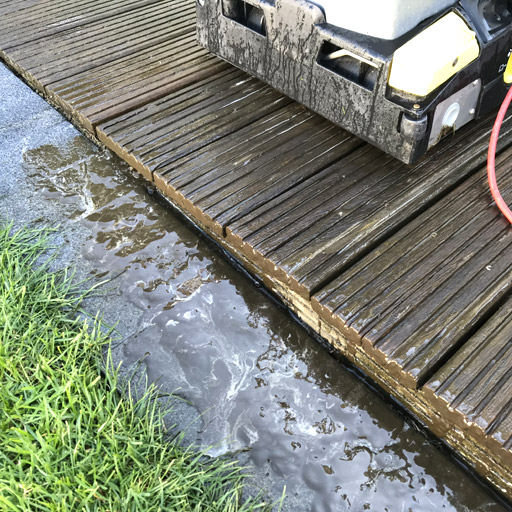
(68, 53)
(105, 63)
(348, 209)
(405, 269)
(188, 121)
(234, 144)
(112, 89)
(303, 216)
(474, 387)
(27, 21)
(255, 188)
(416, 297)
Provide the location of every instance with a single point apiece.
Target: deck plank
(112, 65)
(66, 54)
(183, 123)
(265, 165)
(330, 221)
(253, 160)
(402, 267)
(30, 20)
(414, 300)
(111, 90)
(474, 387)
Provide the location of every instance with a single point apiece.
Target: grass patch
(68, 440)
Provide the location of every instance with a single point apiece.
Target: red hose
(491, 173)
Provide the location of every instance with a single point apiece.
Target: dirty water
(254, 380)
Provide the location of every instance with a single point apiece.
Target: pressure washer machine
(400, 74)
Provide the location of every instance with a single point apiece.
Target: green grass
(68, 440)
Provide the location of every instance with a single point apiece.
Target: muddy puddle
(254, 379)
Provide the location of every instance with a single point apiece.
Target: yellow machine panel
(433, 56)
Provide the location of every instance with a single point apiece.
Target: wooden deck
(407, 270)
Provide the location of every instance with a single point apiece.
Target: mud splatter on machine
(398, 73)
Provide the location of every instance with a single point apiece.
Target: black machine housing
(285, 43)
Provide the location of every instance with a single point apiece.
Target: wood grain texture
(113, 89)
(29, 20)
(76, 50)
(474, 388)
(330, 221)
(103, 63)
(414, 300)
(182, 124)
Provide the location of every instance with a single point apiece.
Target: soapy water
(257, 382)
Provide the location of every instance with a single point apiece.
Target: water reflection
(254, 376)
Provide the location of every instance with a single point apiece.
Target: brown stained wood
(230, 191)
(221, 120)
(204, 68)
(238, 149)
(86, 89)
(111, 90)
(73, 51)
(220, 182)
(144, 122)
(302, 152)
(192, 119)
(417, 243)
(329, 190)
(96, 35)
(262, 184)
(409, 261)
(315, 242)
(268, 164)
(112, 66)
(30, 20)
(233, 150)
(474, 388)
(416, 298)
(121, 135)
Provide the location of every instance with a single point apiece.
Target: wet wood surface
(107, 58)
(189, 120)
(27, 21)
(405, 269)
(474, 387)
(415, 299)
(113, 89)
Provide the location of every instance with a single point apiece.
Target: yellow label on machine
(507, 75)
(433, 56)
